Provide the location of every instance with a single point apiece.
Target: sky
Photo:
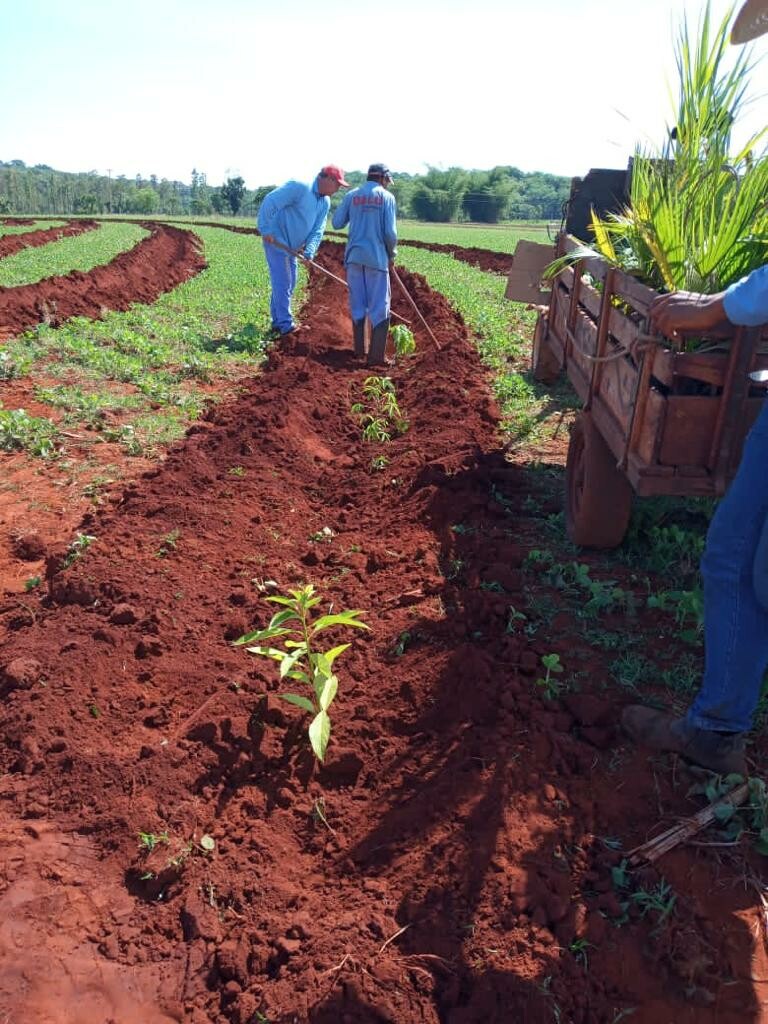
(273, 91)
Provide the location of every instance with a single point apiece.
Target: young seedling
(661, 900)
(383, 414)
(375, 429)
(149, 840)
(168, 543)
(550, 686)
(402, 643)
(77, 547)
(579, 949)
(32, 582)
(319, 813)
(513, 617)
(379, 463)
(323, 536)
(403, 340)
(296, 629)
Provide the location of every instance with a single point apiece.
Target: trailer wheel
(545, 365)
(598, 496)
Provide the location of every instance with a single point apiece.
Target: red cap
(336, 173)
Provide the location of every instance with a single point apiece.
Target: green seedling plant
(379, 463)
(548, 683)
(168, 543)
(34, 434)
(299, 658)
(513, 618)
(77, 548)
(375, 429)
(404, 640)
(736, 822)
(660, 900)
(149, 840)
(403, 340)
(32, 582)
(380, 415)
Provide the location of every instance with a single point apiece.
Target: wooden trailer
(655, 419)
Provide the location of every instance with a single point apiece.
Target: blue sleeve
(316, 231)
(390, 227)
(277, 200)
(746, 302)
(341, 215)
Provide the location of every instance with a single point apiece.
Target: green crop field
(497, 237)
(79, 252)
(21, 229)
(157, 365)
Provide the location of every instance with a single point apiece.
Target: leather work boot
(358, 333)
(378, 344)
(719, 752)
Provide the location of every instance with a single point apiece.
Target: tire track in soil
(10, 244)
(167, 258)
(464, 809)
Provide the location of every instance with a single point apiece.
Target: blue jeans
(282, 275)
(735, 573)
(369, 293)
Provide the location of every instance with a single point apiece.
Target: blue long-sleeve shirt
(371, 213)
(746, 302)
(295, 215)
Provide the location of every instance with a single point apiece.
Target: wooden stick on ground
(685, 829)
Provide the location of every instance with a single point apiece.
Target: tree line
(503, 193)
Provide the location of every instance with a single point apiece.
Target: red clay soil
(10, 244)
(450, 863)
(16, 222)
(167, 258)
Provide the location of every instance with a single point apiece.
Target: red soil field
(449, 857)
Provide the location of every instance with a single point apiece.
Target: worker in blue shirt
(370, 211)
(734, 568)
(292, 217)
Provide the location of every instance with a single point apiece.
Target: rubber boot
(379, 336)
(358, 333)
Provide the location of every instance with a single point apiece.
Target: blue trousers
(282, 275)
(369, 293)
(735, 573)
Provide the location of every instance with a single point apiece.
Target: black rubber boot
(378, 344)
(358, 333)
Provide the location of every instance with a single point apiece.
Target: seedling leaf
(329, 692)
(301, 702)
(319, 734)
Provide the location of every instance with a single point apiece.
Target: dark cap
(751, 22)
(379, 170)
